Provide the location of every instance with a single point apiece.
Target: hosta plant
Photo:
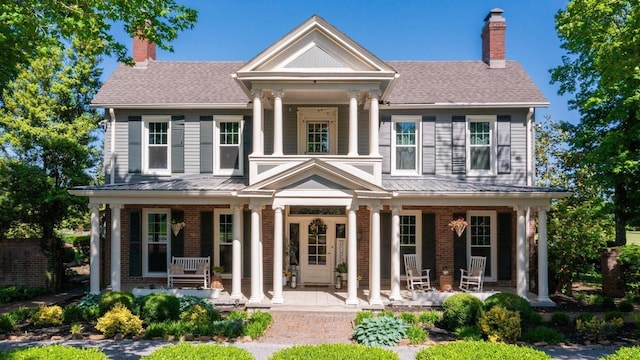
(380, 331)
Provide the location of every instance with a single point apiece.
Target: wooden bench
(189, 270)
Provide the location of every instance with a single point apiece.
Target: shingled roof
(209, 84)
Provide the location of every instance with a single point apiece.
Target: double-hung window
(317, 131)
(156, 153)
(405, 154)
(228, 153)
(481, 145)
(156, 241)
(482, 237)
(223, 223)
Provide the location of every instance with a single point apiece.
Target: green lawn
(633, 237)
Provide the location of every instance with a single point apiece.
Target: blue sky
(392, 30)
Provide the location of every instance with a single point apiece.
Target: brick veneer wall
(22, 262)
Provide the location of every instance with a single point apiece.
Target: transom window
(156, 239)
(405, 155)
(481, 145)
(482, 239)
(157, 144)
(317, 131)
(228, 155)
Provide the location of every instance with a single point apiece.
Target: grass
(633, 237)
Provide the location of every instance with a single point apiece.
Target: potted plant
(216, 277)
(342, 268)
(445, 270)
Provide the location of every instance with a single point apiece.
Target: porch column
(277, 122)
(521, 254)
(94, 260)
(395, 254)
(374, 119)
(277, 256)
(115, 246)
(257, 122)
(353, 123)
(352, 257)
(256, 296)
(374, 279)
(236, 271)
(543, 280)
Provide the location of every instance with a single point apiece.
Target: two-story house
(316, 152)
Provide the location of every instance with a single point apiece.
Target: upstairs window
(405, 156)
(317, 131)
(318, 137)
(157, 159)
(481, 145)
(228, 157)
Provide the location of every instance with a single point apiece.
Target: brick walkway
(309, 328)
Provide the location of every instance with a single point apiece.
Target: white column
(352, 257)
(374, 280)
(94, 258)
(521, 254)
(374, 119)
(115, 246)
(527, 245)
(257, 123)
(277, 122)
(353, 123)
(543, 280)
(277, 256)
(395, 254)
(255, 297)
(236, 271)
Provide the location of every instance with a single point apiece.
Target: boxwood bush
(542, 334)
(472, 350)
(111, 298)
(119, 320)
(51, 352)
(186, 351)
(625, 353)
(501, 325)
(158, 307)
(334, 352)
(514, 302)
(461, 310)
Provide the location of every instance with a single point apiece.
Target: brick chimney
(493, 39)
(143, 50)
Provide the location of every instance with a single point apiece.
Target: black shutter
(384, 142)
(385, 245)
(505, 243)
(458, 145)
(206, 144)
(429, 243)
(459, 249)
(428, 145)
(247, 143)
(206, 233)
(504, 144)
(135, 144)
(177, 241)
(177, 144)
(135, 243)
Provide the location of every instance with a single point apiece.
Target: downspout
(112, 154)
(530, 148)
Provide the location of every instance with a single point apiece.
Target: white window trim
(418, 165)
(418, 216)
(312, 114)
(216, 238)
(146, 119)
(145, 237)
(494, 240)
(217, 119)
(491, 119)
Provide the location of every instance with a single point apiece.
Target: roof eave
(484, 194)
(452, 105)
(185, 106)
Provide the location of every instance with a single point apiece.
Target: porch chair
(471, 278)
(417, 279)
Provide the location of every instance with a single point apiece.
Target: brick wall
(22, 262)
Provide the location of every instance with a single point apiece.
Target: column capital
(374, 94)
(92, 206)
(395, 209)
(237, 206)
(375, 207)
(256, 93)
(278, 207)
(353, 93)
(116, 206)
(277, 93)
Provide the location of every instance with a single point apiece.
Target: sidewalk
(45, 300)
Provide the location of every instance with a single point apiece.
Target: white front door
(317, 250)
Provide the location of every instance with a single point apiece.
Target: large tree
(29, 26)
(602, 71)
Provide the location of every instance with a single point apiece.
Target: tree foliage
(601, 69)
(28, 27)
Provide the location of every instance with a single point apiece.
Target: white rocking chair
(417, 279)
(471, 279)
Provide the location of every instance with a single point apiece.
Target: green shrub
(429, 318)
(596, 329)
(560, 318)
(472, 350)
(196, 313)
(186, 351)
(82, 244)
(416, 335)
(54, 352)
(468, 333)
(119, 320)
(72, 314)
(386, 313)
(625, 306)
(240, 315)
(21, 314)
(361, 315)
(158, 307)
(513, 302)
(461, 310)
(155, 330)
(584, 316)
(609, 315)
(187, 302)
(6, 324)
(19, 292)
(228, 328)
(334, 351)
(501, 325)
(608, 303)
(542, 334)
(409, 317)
(629, 261)
(111, 298)
(258, 324)
(47, 316)
(380, 331)
(624, 353)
